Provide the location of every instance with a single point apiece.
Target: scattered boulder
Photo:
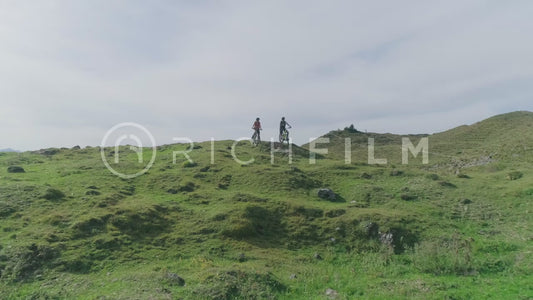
(327, 194)
(293, 276)
(332, 294)
(174, 279)
(15, 169)
(317, 256)
(387, 239)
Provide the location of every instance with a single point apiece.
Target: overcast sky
(71, 70)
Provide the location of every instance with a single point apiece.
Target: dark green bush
(236, 284)
(15, 169)
(53, 194)
(23, 263)
(514, 175)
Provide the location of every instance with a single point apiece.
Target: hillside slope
(69, 228)
(506, 137)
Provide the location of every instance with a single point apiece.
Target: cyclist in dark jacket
(283, 127)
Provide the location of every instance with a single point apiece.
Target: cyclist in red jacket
(257, 128)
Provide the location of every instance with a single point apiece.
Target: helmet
(257, 119)
(283, 118)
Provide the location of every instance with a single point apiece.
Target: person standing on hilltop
(257, 128)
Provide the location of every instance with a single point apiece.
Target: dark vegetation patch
(15, 169)
(366, 176)
(433, 176)
(128, 190)
(335, 213)
(24, 263)
(515, 175)
(237, 284)
(408, 197)
(91, 226)
(6, 209)
(242, 197)
(143, 223)
(92, 193)
(447, 184)
(396, 173)
(224, 182)
(255, 222)
(463, 176)
(189, 164)
(53, 194)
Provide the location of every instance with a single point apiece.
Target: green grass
(461, 225)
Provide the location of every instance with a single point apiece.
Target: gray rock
(327, 194)
(332, 294)
(387, 239)
(175, 279)
(317, 256)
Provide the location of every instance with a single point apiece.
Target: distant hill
(8, 150)
(507, 136)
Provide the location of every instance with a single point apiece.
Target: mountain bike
(256, 138)
(284, 136)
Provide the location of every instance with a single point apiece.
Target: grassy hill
(456, 228)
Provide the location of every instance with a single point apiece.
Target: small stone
(317, 256)
(175, 279)
(332, 294)
(293, 276)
